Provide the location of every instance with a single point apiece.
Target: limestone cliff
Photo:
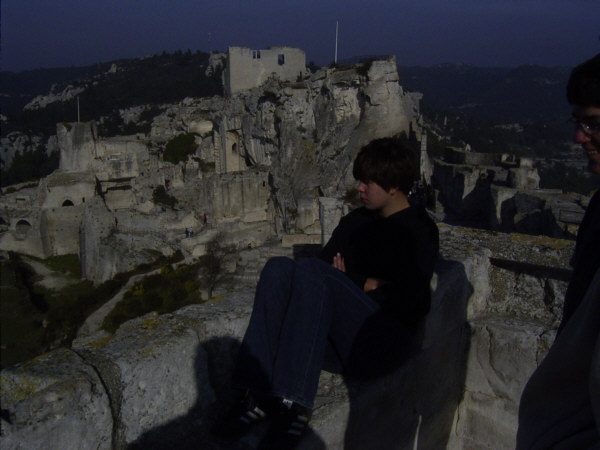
(259, 163)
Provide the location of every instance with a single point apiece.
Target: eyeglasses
(589, 129)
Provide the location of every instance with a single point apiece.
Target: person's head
(386, 170)
(583, 92)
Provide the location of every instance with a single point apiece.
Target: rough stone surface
(263, 158)
(499, 192)
(160, 381)
(55, 401)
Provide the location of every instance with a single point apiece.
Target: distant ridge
(154, 80)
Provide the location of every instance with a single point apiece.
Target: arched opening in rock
(22, 228)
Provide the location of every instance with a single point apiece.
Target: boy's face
(587, 134)
(373, 196)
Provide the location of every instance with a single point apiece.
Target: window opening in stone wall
(22, 227)
(234, 148)
(256, 54)
(281, 59)
(68, 203)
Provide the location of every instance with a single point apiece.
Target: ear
(393, 191)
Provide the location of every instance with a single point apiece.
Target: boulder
(55, 401)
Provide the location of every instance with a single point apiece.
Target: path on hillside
(93, 324)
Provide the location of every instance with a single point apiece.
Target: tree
(214, 262)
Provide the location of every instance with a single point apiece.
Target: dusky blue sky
(61, 33)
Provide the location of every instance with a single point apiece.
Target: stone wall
(501, 193)
(247, 69)
(160, 381)
(275, 150)
(77, 144)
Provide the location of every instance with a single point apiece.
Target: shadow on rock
(412, 405)
(192, 431)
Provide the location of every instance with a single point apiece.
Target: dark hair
(583, 88)
(387, 162)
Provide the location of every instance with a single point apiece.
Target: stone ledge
(161, 380)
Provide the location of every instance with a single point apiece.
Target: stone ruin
(500, 192)
(273, 163)
(262, 160)
(160, 381)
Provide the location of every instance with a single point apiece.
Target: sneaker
(288, 427)
(240, 419)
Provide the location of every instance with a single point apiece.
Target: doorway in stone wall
(22, 229)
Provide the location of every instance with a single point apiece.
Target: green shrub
(65, 263)
(178, 148)
(29, 165)
(205, 166)
(162, 292)
(35, 320)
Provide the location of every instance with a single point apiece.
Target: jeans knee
(278, 266)
(313, 265)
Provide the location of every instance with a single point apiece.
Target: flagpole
(336, 42)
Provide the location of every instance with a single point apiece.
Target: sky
(508, 33)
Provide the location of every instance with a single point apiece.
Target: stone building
(261, 164)
(501, 192)
(247, 69)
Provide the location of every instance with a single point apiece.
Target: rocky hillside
(245, 170)
(520, 110)
(34, 102)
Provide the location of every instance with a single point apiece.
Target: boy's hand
(338, 262)
(370, 284)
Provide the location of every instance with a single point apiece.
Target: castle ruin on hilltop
(271, 166)
(271, 161)
(263, 164)
(248, 69)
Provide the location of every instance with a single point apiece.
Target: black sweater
(400, 251)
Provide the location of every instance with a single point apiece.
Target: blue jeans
(307, 316)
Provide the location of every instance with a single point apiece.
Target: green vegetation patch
(35, 319)
(32, 164)
(68, 264)
(205, 166)
(163, 292)
(178, 148)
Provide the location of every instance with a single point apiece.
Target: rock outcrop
(501, 192)
(261, 161)
(160, 381)
(264, 164)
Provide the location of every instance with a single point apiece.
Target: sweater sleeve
(403, 255)
(340, 242)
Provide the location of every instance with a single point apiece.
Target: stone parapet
(160, 381)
